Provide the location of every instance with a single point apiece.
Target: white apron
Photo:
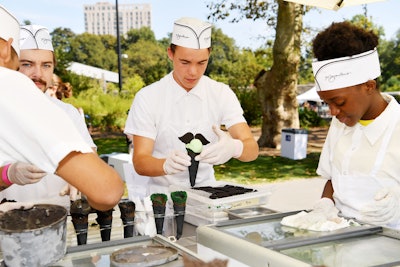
(352, 191)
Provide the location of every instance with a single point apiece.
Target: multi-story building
(100, 18)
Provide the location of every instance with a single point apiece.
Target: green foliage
(61, 38)
(362, 21)
(106, 111)
(391, 85)
(389, 55)
(310, 118)
(110, 145)
(79, 83)
(251, 106)
(131, 86)
(134, 35)
(147, 59)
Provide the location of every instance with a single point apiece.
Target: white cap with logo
(344, 72)
(9, 28)
(35, 37)
(191, 33)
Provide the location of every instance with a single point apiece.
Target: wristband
(4, 175)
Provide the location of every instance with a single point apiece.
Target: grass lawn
(267, 169)
(264, 169)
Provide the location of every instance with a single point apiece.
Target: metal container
(42, 242)
(249, 212)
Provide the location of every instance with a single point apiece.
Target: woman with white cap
(185, 104)
(360, 158)
(36, 131)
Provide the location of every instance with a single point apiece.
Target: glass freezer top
(376, 250)
(268, 232)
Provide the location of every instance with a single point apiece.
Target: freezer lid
(267, 231)
(375, 250)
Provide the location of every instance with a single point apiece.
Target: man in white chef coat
(36, 131)
(37, 61)
(187, 103)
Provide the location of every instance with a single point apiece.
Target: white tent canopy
(310, 95)
(93, 72)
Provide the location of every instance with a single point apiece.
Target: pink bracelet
(4, 175)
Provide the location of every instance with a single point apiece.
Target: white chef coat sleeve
(34, 129)
(76, 118)
(232, 110)
(141, 117)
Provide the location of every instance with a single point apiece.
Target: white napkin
(144, 216)
(323, 217)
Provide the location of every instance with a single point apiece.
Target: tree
(134, 35)
(95, 50)
(148, 59)
(389, 54)
(61, 38)
(277, 86)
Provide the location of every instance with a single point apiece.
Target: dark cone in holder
(79, 211)
(179, 199)
(159, 202)
(179, 218)
(104, 219)
(127, 209)
(193, 167)
(159, 214)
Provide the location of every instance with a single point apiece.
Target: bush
(105, 111)
(248, 99)
(310, 118)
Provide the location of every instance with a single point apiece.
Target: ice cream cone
(159, 203)
(104, 219)
(79, 211)
(193, 167)
(127, 209)
(179, 200)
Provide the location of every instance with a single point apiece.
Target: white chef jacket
(76, 118)
(47, 190)
(346, 155)
(34, 130)
(164, 111)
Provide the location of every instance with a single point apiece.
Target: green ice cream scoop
(195, 145)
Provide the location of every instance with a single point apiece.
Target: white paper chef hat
(9, 28)
(191, 33)
(346, 71)
(35, 37)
